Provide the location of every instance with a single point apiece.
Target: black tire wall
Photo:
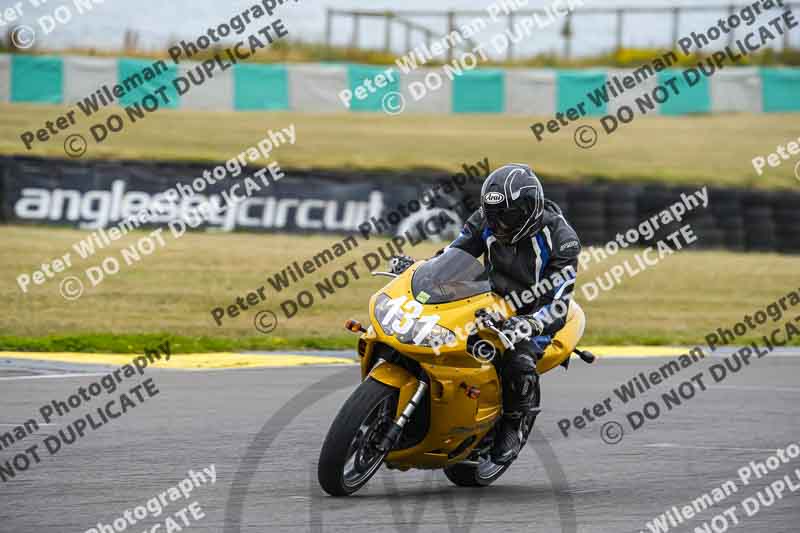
(735, 219)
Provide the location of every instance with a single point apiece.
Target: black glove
(522, 327)
(400, 263)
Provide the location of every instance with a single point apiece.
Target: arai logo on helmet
(494, 198)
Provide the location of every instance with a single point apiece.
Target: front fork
(393, 435)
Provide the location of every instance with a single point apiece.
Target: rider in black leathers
(531, 253)
(528, 246)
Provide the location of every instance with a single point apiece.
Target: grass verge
(170, 294)
(136, 343)
(691, 150)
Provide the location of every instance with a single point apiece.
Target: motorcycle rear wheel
(486, 472)
(349, 457)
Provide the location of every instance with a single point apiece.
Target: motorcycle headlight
(437, 335)
(381, 308)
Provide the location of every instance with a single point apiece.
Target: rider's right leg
(520, 390)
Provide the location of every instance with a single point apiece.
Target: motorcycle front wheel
(349, 456)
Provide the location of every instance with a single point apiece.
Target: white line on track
(690, 447)
(49, 376)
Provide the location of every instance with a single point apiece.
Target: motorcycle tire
(347, 427)
(486, 473)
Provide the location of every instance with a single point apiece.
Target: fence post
(356, 30)
(451, 26)
(328, 27)
(408, 36)
(510, 54)
(676, 16)
(620, 14)
(387, 43)
(731, 34)
(786, 44)
(566, 33)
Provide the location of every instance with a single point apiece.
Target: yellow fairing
(565, 341)
(455, 418)
(457, 317)
(457, 421)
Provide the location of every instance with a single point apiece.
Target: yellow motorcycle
(431, 390)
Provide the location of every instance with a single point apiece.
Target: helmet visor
(505, 222)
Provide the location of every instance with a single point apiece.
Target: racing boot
(520, 397)
(507, 440)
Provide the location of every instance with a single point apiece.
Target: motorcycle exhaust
(393, 435)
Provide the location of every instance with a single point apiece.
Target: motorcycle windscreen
(453, 275)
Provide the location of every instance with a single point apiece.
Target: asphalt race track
(262, 430)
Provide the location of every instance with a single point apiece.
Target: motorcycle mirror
(354, 326)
